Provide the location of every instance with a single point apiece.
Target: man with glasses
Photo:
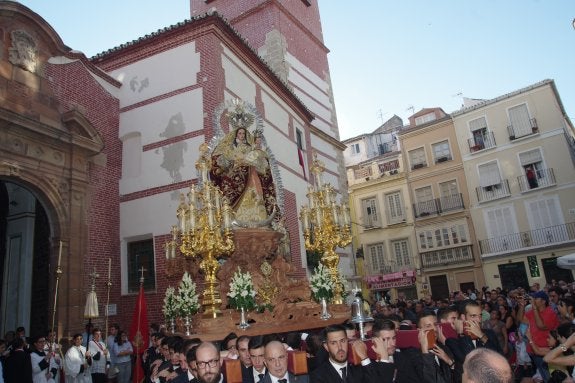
(277, 363)
(208, 363)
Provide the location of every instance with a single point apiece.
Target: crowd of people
(493, 336)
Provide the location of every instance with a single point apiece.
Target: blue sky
(387, 57)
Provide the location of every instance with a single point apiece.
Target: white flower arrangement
(242, 292)
(169, 308)
(187, 302)
(321, 284)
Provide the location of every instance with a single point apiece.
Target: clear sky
(386, 56)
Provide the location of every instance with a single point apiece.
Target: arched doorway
(24, 260)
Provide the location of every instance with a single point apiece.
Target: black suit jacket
(463, 345)
(437, 373)
(326, 373)
(292, 378)
(18, 367)
(407, 367)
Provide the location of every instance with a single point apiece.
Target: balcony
(516, 132)
(539, 237)
(363, 172)
(419, 165)
(451, 203)
(395, 217)
(493, 192)
(543, 178)
(441, 159)
(446, 257)
(438, 206)
(481, 142)
(425, 208)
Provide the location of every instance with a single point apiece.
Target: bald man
(276, 361)
(208, 363)
(483, 365)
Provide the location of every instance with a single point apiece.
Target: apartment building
(438, 190)
(379, 200)
(518, 156)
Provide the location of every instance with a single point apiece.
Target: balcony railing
(447, 256)
(453, 202)
(542, 178)
(362, 172)
(425, 208)
(492, 192)
(515, 133)
(481, 142)
(399, 217)
(418, 166)
(538, 237)
(441, 159)
(438, 206)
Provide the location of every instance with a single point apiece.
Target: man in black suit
(393, 365)
(244, 356)
(438, 362)
(258, 369)
(208, 363)
(18, 366)
(336, 368)
(276, 360)
(472, 336)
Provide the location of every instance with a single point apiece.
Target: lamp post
(326, 225)
(204, 230)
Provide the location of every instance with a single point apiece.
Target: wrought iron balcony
(492, 192)
(399, 217)
(478, 143)
(438, 206)
(543, 178)
(446, 257)
(538, 237)
(453, 202)
(425, 208)
(515, 133)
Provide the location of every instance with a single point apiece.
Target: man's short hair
(242, 338)
(256, 342)
(483, 365)
(443, 313)
(382, 325)
(463, 307)
(332, 328)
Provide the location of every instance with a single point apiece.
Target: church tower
(288, 36)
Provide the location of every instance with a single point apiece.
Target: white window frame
(355, 149)
(371, 213)
(520, 130)
(428, 117)
(376, 253)
(404, 257)
(399, 215)
(436, 157)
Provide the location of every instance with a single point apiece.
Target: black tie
(282, 380)
(260, 377)
(343, 374)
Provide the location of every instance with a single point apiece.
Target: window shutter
(478, 124)
(489, 174)
(530, 157)
(519, 118)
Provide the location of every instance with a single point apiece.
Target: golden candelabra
(205, 230)
(326, 225)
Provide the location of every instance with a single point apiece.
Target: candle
(305, 217)
(167, 247)
(60, 254)
(173, 248)
(335, 215)
(109, 268)
(192, 219)
(210, 214)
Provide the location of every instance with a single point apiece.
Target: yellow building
(437, 186)
(518, 154)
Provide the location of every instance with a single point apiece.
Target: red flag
(139, 335)
(301, 163)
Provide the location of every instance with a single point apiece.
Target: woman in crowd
(122, 349)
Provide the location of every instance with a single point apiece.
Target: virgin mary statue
(241, 169)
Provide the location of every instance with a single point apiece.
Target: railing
(542, 178)
(515, 134)
(538, 237)
(481, 142)
(441, 159)
(447, 256)
(398, 218)
(362, 172)
(492, 192)
(438, 206)
(453, 202)
(425, 208)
